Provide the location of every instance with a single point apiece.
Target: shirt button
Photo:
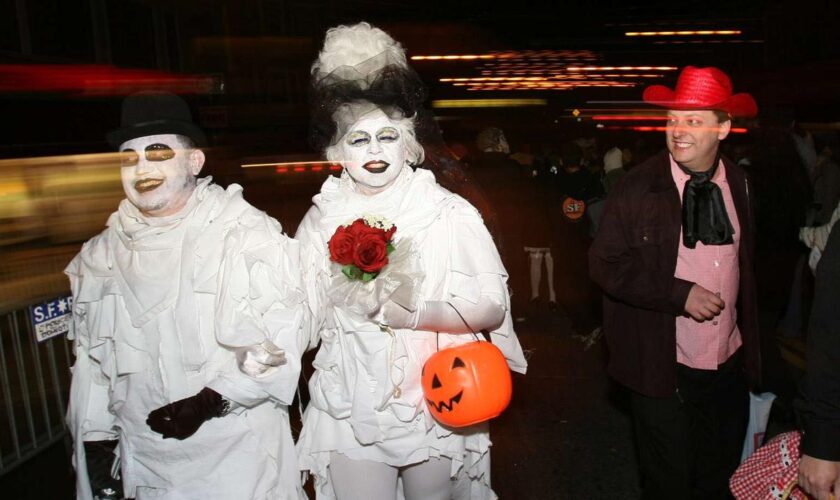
(717, 263)
(715, 322)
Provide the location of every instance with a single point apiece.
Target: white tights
(367, 480)
(536, 256)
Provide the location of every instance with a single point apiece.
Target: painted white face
(373, 151)
(158, 173)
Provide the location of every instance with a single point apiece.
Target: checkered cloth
(771, 472)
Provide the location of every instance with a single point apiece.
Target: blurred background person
(521, 215)
(614, 160)
(575, 188)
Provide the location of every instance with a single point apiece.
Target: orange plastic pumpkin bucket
(466, 384)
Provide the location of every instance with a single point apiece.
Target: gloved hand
(397, 316)
(182, 418)
(260, 360)
(99, 456)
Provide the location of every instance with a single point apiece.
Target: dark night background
(246, 67)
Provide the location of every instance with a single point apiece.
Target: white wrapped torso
(157, 313)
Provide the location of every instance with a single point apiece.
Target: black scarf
(704, 216)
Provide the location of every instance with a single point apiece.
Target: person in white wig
(367, 432)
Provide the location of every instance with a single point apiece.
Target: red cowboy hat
(702, 88)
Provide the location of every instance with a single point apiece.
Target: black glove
(99, 456)
(182, 418)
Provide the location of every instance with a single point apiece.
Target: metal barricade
(34, 387)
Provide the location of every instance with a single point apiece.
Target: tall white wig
(359, 69)
(361, 46)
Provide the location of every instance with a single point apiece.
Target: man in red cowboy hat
(674, 257)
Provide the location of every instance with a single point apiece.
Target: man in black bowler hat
(187, 327)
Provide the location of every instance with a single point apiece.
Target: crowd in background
(549, 196)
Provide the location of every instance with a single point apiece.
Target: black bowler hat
(153, 113)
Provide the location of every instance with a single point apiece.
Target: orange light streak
(494, 79)
(684, 33)
(468, 57)
(621, 68)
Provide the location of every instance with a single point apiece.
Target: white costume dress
(159, 305)
(353, 409)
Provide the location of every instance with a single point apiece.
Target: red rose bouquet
(362, 247)
(369, 269)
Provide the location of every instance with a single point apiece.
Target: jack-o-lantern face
(466, 384)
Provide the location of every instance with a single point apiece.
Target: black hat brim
(158, 127)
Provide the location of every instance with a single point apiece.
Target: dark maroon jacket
(633, 259)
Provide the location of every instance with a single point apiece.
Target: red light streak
(626, 117)
(644, 128)
(91, 79)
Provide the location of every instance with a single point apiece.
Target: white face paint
(158, 173)
(373, 151)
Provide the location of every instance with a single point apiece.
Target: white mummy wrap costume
(161, 305)
(355, 409)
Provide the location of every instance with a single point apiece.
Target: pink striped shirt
(707, 344)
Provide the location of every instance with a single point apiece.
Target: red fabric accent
(702, 88)
(770, 471)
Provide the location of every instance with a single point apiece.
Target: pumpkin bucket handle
(483, 387)
(437, 334)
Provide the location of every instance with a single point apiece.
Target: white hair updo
(354, 45)
(358, 54)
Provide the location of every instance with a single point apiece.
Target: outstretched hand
(703, 305)
(817, 477)
(182, 418)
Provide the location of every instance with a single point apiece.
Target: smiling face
(692, 137)
(159, 173)
(373, 151)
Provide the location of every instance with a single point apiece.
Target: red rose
(359, 227)
(390, 233)
(371, 253)
(341, 246)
